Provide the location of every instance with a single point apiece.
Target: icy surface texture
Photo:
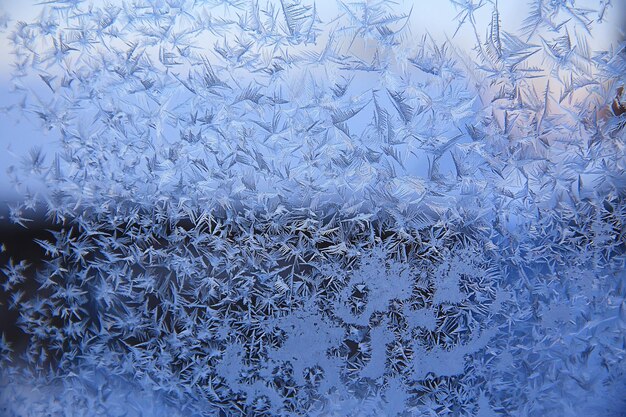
(263, 210)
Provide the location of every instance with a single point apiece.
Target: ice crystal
(272, 208)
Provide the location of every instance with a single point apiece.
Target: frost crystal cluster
(274, 208)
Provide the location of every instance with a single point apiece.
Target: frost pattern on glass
(264, 208)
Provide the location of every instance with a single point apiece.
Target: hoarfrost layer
(267, 208)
